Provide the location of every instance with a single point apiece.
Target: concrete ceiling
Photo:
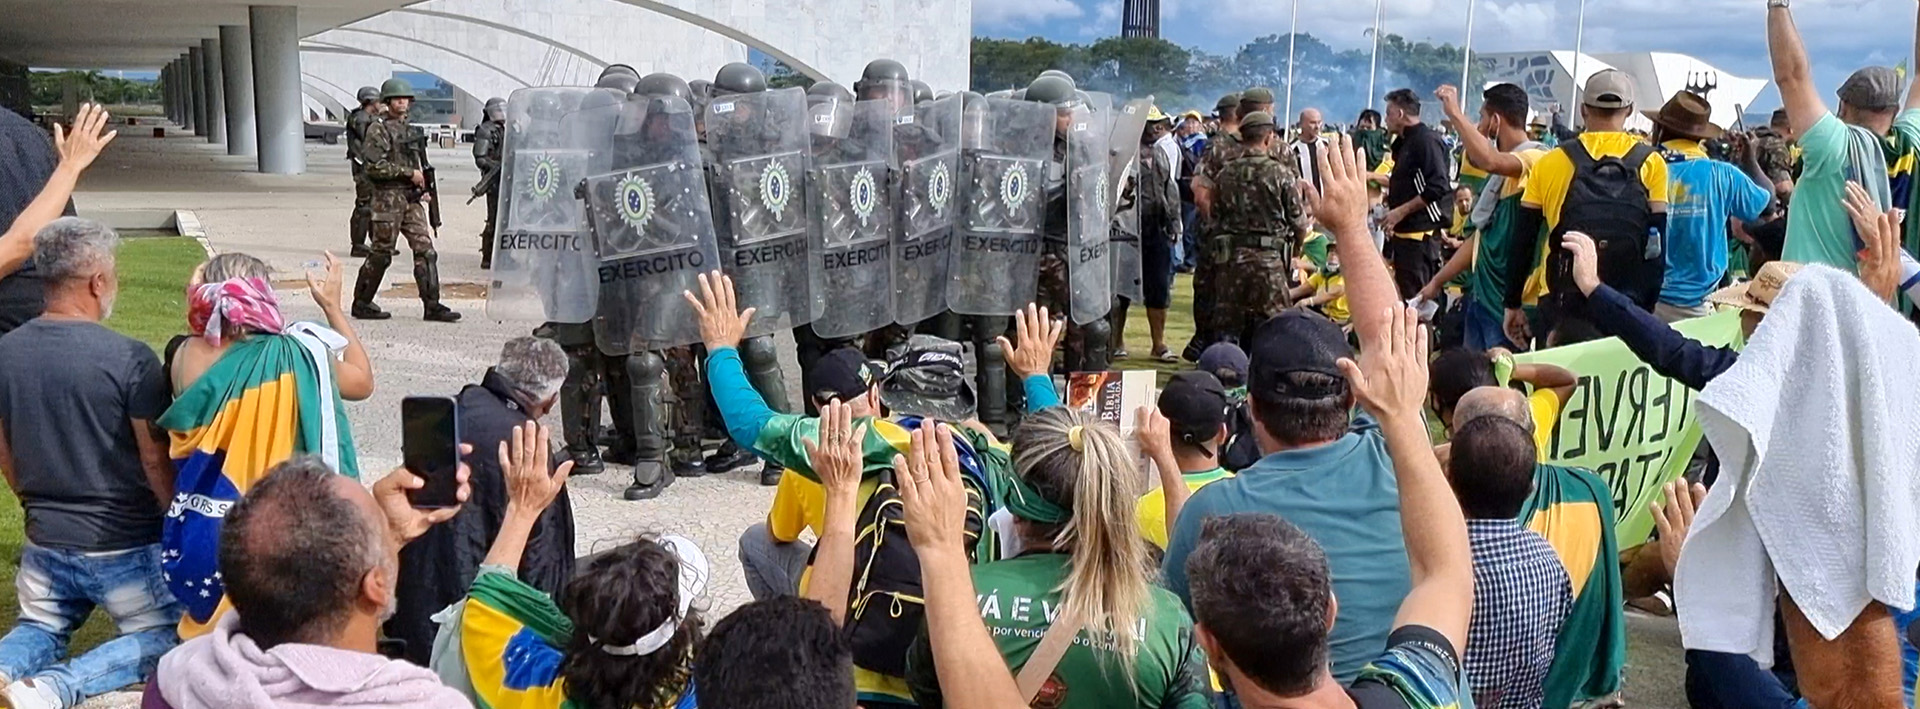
(144, 34)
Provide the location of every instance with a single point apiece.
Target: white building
(1550, 78)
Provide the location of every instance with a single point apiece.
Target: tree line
(48, 88)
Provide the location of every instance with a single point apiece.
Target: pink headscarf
(247, 302)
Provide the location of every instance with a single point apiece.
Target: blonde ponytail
(1077, 462)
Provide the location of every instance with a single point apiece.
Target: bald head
(295, 551)
(1310, 124)
(1498, 401)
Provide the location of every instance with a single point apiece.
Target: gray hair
(294, 551)
(1481, 402)
(71, 247)
(534, 365)
(226, 267)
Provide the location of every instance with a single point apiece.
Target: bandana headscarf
(247, 302)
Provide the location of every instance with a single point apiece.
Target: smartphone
(430, 444)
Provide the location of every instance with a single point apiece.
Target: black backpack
(1606, 200)
(1241, 449)
(887, 607)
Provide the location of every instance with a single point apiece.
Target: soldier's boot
(990, 371)
(358, 229)
(617, 377)
(486, 247)
(762, 359)
(689, 409)
(580, 409)
(809, 347)
(1096, 346)
(368, 285)
(647, 376)
(426, 275)
(946, 326)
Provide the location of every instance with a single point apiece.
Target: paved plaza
(289, 220)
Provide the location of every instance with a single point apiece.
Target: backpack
(1606, 200)
(886, 606)
(1242, 449)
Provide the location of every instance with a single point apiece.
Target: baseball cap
(1195, 115)
(842, 374)
(1226, 362)
(1257, 94)
(1195, 405)
(1292, 342)
(1256, 118)
(1609, 88)
(926, 377)
(1757, 295)
(1875, 88)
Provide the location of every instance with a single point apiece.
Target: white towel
(1819, 471)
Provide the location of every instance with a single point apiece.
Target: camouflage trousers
(591, 373)
(393, 218)
(1249, 287)
(1055, 293)
(361, 224)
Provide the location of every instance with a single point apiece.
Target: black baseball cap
(1195, 405)
(1295, 341)
(843, 374)
(926, 377)
(1226, 362)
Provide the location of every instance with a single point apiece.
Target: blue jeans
(1483, 330)
(59, 589)
(1189, 247)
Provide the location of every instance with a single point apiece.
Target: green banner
(1624, 421)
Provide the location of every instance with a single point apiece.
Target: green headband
(1028, 504)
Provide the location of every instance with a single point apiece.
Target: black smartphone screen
(431, 445)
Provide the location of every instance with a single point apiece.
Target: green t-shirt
(1818, 228)
(1018, 600)
(1487, 280)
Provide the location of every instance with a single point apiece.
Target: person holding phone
(251, 390)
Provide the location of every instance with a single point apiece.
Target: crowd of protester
(1280, 530)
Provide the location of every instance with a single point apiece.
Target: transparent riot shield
(652, 231)
(760, 156)
(995, 265)
(928, 149)
(1123, 169)
(543, 267)
(1089, 215)
(853, 216)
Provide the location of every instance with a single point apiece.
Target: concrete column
(173, 91)
(186, 92)
(197, 73)
(70, 96)
(275, 36)
(216, 101)
(236, 73)
(166, 92)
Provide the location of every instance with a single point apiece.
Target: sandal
(1119, 353)
(1162, 354)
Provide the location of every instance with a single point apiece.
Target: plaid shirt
(1521, 597)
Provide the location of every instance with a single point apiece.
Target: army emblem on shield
(939, 187)
(543, 180)
(634, 200)
(862, 194)
(776, 188)
(1014, 189)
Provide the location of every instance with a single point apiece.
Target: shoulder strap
(1637, 157)
(1577, 152)
(1053, 647)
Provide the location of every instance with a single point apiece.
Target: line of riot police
(850, 217)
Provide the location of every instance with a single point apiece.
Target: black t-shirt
(69, 391)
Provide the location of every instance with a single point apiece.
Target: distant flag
(1901, 70)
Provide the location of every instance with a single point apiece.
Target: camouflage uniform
(362, 222)
(1259, 216)
(488, 141)
(1088, 347)
(1775, 157)
(392, 150)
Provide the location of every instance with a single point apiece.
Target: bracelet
(1777, 4)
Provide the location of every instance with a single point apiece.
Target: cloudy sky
(1841, 35)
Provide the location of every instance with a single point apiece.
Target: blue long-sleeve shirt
(741, 406)
(1670, 353)
(1040, 393)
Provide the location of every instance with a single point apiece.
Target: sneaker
(728, 457)
(27, 694)
(442, 314)
(369, 311)
(587, 462)
(770, 474)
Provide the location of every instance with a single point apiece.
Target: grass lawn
(1179, 329)
(151, 308)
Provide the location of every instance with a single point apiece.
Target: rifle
(433, 204)
(486, 183)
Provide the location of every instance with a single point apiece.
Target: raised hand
(405, 522)
(1341, 204)
(1390, 379)
(837, 457)
(1153, 431)
(524, 458)
(934, 499)
(722, 323)
(1880, 233)
(1035, 335)
(1675, 518)
(78, 149)
(326, 287)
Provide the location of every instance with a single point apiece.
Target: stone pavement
(289, 220)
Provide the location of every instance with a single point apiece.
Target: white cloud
(1020, 13)
(1106, 20)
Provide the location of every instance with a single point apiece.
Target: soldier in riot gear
(489, 138)
(852, 144)
(762, 228)
(395, 155)
(618, 76)
(1087, 344)
(922, 92)
(366, 114)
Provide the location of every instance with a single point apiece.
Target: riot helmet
(974, 121)
(368, 94)
(921, 91)
(827, 90)
(880, 72)
(621, 81)
(738, 78)
(701, 88)
(496, 110)
(1055, 90)
(1058, 73)
(619, 69)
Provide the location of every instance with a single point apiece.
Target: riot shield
(928, 149)
(652, 231)
(543, 267)
(853, 216)
(760, 155)
(1089, 215)
(995, 265)
(1130, 120)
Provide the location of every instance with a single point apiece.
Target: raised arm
(354, 371)
(1792, 72)
(1342, 209)
(837, 460)
(530, 490)
(1390, 380)
(77, 151)
(1480, 151)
